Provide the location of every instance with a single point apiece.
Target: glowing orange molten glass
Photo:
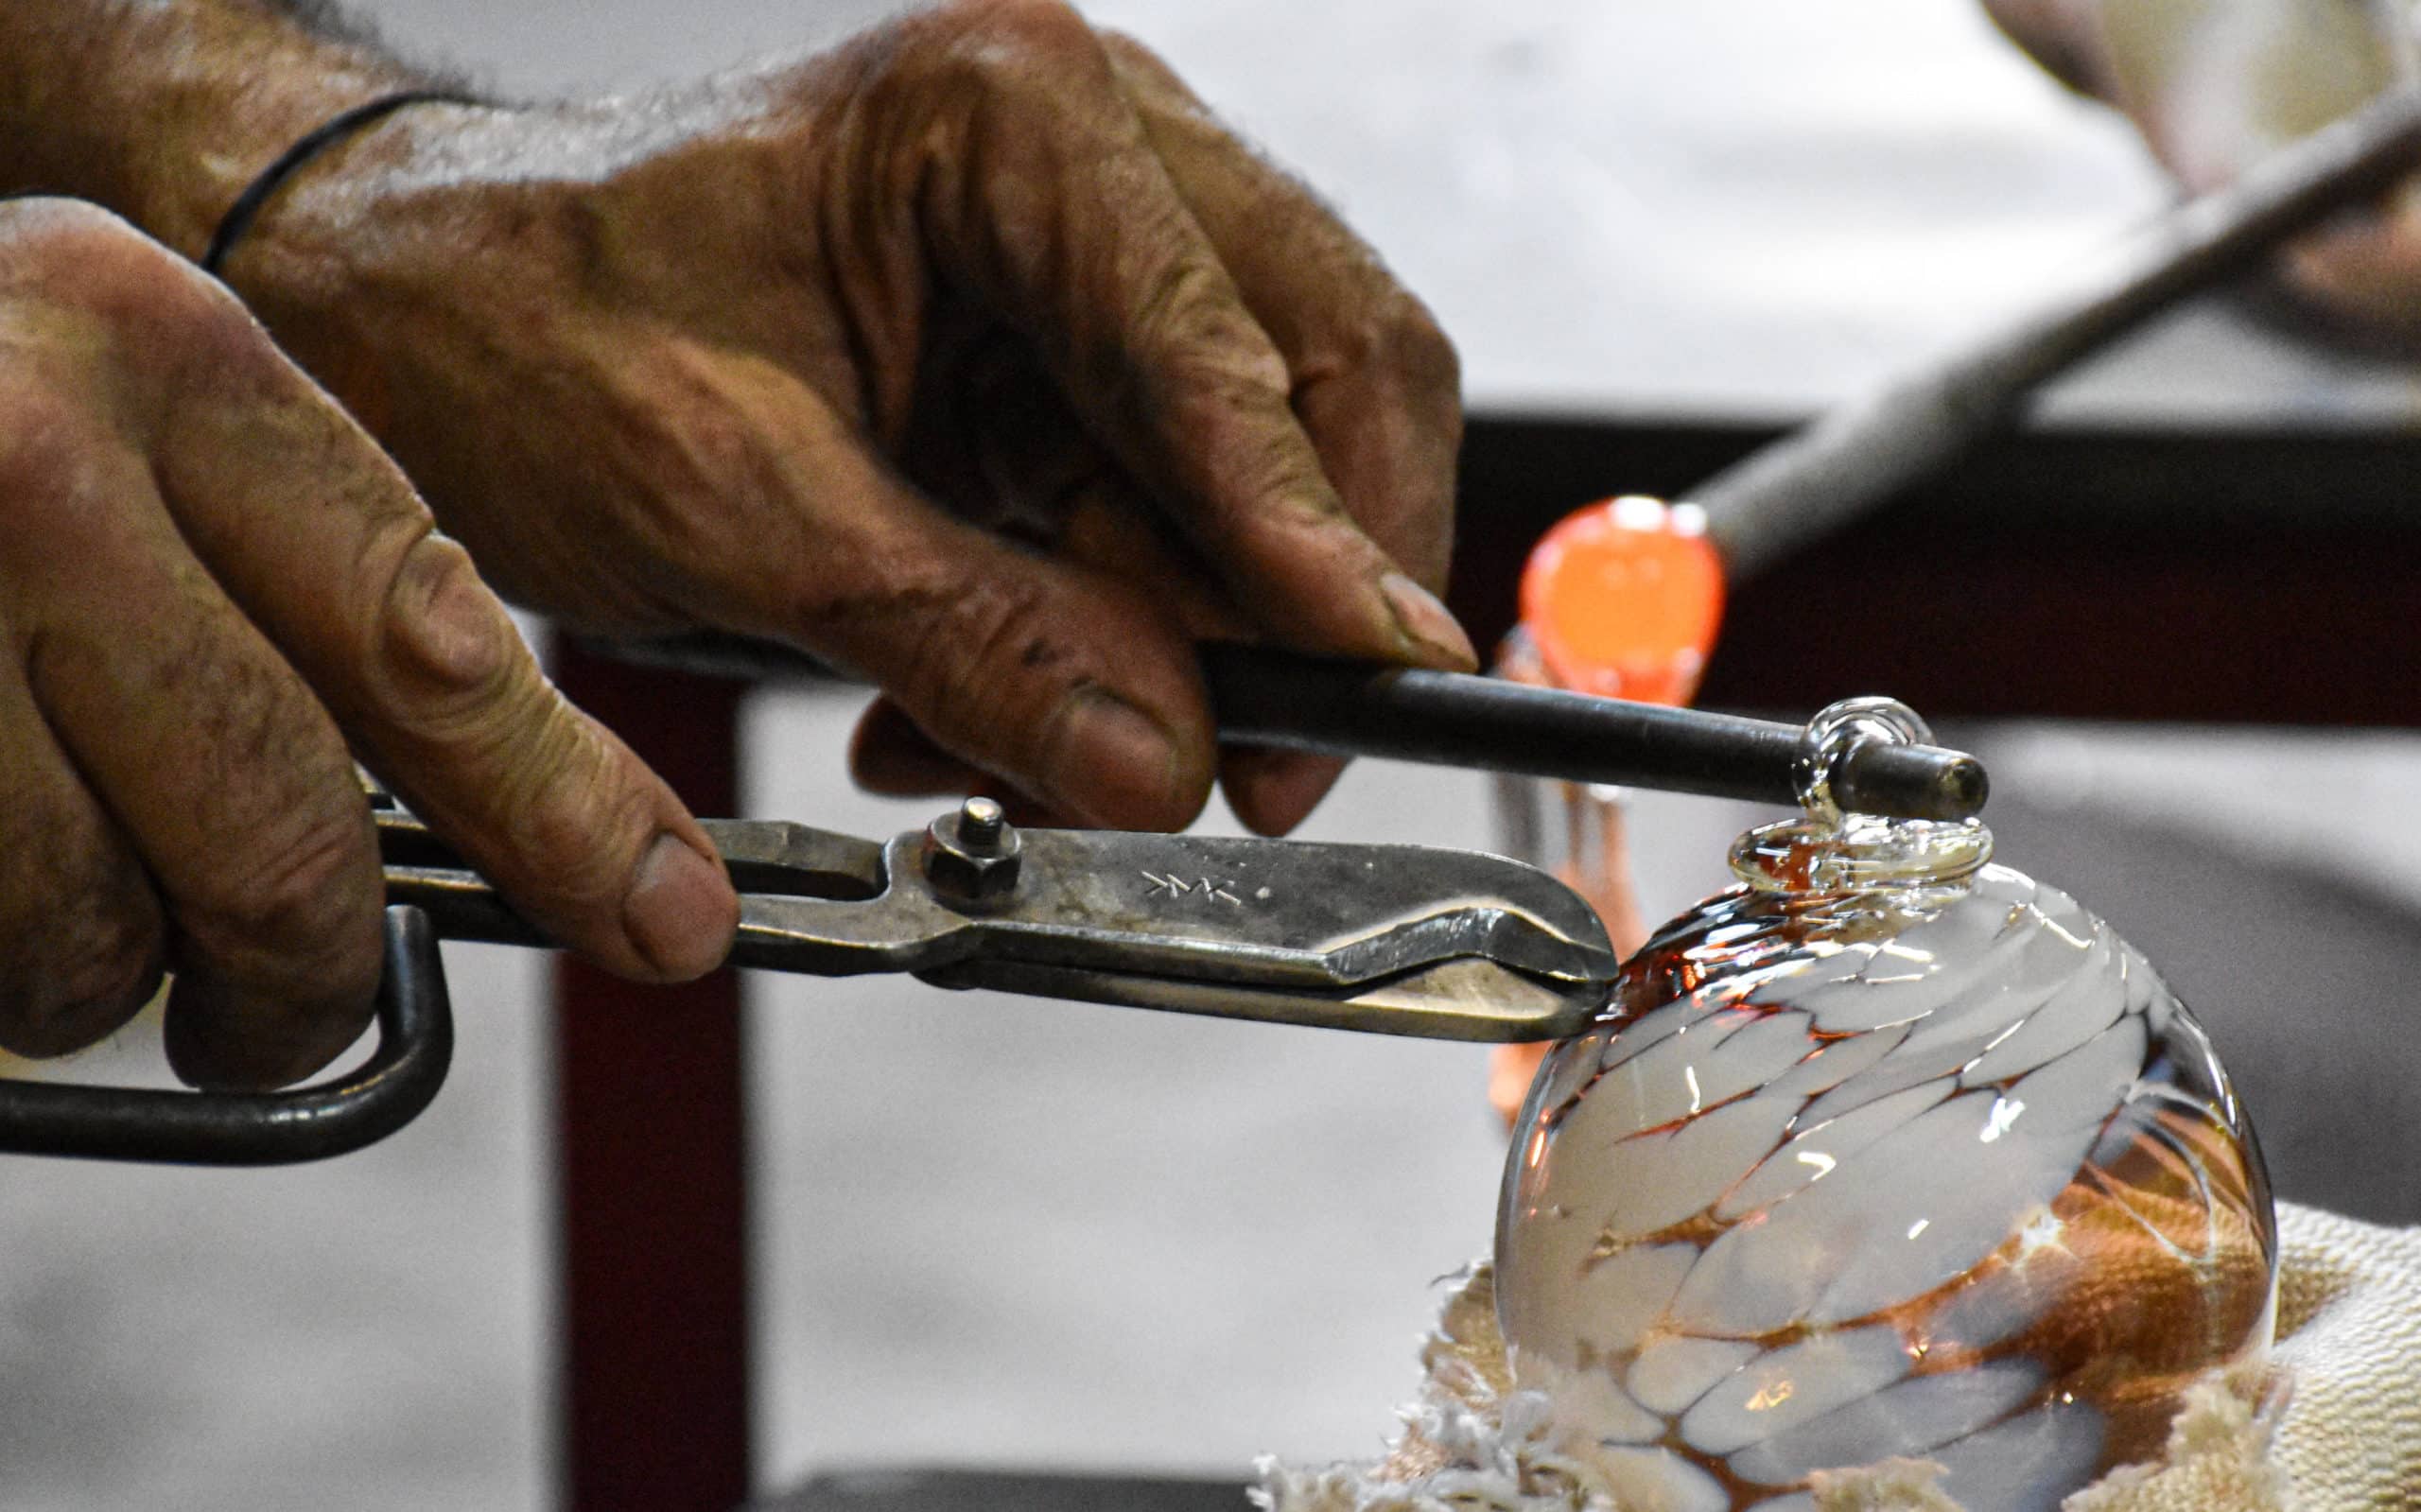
(1623, 600)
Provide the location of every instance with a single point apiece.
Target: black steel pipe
(1279, 698)
(1451, 719)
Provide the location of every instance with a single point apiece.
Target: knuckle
(77, 973)
(82, 997)
(440, 650)
(1391, 335)
(1171, 309)
(1187, 340)
(972, 648)
(306, 913)
(1006, 34)
(982, 62)
(974, 633)
(47, 442)
(51, 245)
(84, 255)
(313, 877)
(1129, 53)
(1411, 343)
(65, 255)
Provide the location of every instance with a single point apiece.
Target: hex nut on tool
(971, 856)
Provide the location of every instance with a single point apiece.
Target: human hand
(973, 358)
(210, 582)
(2214, 88)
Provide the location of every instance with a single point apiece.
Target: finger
(889, 755)
(82, 944)
(227, 775)
(1064, 682)
(1073, 691)
(1035, 460)
(1034, 464)
(421, 665)
(1049, 199)
(908, 765)
(990, 437)
(1272, 791)
(1376, 383)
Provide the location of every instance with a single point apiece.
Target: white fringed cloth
(2335, 1427)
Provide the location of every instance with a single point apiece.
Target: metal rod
(1865, 452)
(1450, 719)
(1266, 697)
(651, 1225)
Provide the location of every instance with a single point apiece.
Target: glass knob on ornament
(1623, 600)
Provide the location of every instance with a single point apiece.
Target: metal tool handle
(1868, 450)
(415, 1045)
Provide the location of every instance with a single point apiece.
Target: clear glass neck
(1859, 853)
(1829, 853)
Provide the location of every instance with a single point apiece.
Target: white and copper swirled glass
(1885, 1152)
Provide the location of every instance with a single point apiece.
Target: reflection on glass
(1621, 599)
(1885, 1152)
(1577, 831)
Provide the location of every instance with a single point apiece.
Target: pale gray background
(1012, 1233)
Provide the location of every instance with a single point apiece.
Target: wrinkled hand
(973, 356)
(210, 582)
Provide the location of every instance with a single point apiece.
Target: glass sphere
(1887, 1152)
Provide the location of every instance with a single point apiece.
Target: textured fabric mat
(2336, 1427)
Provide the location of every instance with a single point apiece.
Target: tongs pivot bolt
(971, 856)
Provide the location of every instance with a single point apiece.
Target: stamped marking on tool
(1176, 886)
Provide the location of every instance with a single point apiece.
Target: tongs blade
(1384, 939)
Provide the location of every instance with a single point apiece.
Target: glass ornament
(1886, 1151)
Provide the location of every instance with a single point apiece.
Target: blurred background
(996, 1232)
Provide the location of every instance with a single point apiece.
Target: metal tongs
(1379, 938)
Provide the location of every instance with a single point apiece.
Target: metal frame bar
(652, 1161)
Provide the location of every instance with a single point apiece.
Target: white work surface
(1013, 1232)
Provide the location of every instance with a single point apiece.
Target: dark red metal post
(651, 1154)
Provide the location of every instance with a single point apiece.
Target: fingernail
(1427, 622)
(1125, 762)
(680, 910)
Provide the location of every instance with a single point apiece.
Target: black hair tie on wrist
(256, 194)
